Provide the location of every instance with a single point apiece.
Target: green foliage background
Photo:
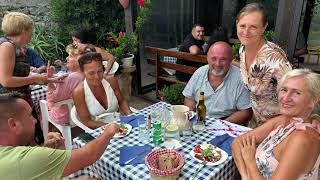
(173, 93)
(46, 44)
(97, 16)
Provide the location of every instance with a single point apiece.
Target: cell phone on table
(86, 137)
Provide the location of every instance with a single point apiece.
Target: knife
(135, 157)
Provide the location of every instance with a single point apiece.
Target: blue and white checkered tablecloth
(38, 94)
(107, 167)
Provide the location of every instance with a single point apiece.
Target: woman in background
(62, 91)
(262, 63)
(83, 39)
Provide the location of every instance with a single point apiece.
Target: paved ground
(138, 102)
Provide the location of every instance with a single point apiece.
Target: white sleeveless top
(94, 106)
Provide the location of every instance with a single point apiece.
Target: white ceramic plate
(224, 156)
(108, 117)
(172, 144)
(60, 74)
(129, 127)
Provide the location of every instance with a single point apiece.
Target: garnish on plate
(123, 129)
(207, 152)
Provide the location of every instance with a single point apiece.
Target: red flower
(121, 34)
(141, 3)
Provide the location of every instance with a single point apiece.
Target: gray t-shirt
(229, 97)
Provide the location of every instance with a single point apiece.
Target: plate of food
(124, 130)
(60, 74)
(208, 152)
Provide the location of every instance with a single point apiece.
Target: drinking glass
(187, 131)
(198, 127)
(144, 132)
(172, 131)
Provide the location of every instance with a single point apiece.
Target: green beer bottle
(201, 109)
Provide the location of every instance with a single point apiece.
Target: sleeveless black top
(21, 69)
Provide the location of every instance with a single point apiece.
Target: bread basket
(151, 160)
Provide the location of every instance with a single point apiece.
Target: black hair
(219, 34)
(88, 58)
(197, 24)
(85, 36)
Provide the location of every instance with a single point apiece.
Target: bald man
(225, 95)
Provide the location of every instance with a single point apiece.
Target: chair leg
(66, 132)
(45, 126)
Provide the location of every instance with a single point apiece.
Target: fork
(203, 164)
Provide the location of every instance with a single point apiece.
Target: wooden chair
(154, 57)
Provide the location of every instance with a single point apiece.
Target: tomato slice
(197, 149)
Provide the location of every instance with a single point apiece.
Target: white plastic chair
(64, 129)
(76, 121)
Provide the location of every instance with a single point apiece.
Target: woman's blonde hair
(312, 80)
(14, 23)
(72, 49)
(253, 7)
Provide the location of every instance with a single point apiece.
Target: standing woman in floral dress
(262, 63)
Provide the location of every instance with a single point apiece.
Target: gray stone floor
(138, 102)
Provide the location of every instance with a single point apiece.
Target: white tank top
(94, 106)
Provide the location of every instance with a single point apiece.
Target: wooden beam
(128, 17)
(295, 28)
(287, 25)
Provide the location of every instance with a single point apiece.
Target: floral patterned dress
(268, 66)
(265, 159)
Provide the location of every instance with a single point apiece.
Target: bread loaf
(167, 161)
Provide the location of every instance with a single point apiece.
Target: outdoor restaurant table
(107, 167)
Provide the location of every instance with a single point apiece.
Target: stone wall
(38, 10)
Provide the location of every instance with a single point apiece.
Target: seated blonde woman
(288, 145)
(62, 91)
(97, 95)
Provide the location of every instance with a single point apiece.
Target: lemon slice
(172, 127)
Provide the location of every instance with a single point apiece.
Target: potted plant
(173, 93)
(123, 47)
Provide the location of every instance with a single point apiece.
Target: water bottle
(156, 135)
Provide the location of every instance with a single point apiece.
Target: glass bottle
(201, 109)
(157, 134)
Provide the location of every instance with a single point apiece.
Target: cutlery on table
(203, 164)
(135, 157)
(131, 120)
